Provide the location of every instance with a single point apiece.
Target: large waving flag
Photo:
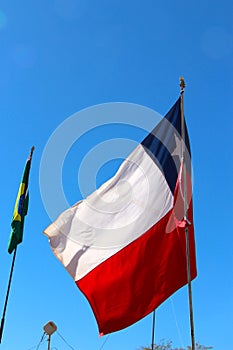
(125, 244)
(20, 209)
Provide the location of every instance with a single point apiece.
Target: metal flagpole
(10, 278)
(7, 295)
(182, 87)
(153, 330)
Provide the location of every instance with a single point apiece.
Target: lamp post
(49, 329)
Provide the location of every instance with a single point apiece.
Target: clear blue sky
(60, 56)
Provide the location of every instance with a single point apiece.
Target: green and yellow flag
(21, 208)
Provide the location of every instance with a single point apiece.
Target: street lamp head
(50, 328)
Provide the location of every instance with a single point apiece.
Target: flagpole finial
(31, 153)
(182, 85)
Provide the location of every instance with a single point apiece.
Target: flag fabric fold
(20, 210)
(124, 245)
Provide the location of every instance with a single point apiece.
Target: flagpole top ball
(182, 84)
